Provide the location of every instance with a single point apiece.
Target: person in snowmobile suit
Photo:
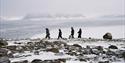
(72, 32)
(47, 33)
(79, 33)
(60, 34)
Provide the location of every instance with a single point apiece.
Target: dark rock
(72, 53)
(90, 38)
(123, 55)
(100, 48)
(12, 47)
(113, 47)
(36, 52)
(77, 45)
(103, 62)
(107, 36)
(36, 61)
(82, 59)
(88, 47)
(3, 42)
(54, 50)
(24, 61)
(62, 60)
(55, 61)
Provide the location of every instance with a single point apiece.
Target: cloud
(53, 16)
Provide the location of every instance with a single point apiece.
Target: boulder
(36, 52)
(54, 50)
(113, 47)
(82, 59)
(107, 36)
(103, 62)
(24, 61)
(77, 45)
(12, 47)
(37, 61)
(100, 48)
(123, 55)
(62, 60)
(3, 42)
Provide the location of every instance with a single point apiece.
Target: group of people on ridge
(60, 33)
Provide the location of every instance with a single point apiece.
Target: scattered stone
(47, 61)
(24, 61)
(10, 54)
(110, 53)
(82, 60)
(3, 43)
(100, 48)
(37, 61)
(12, 47)
(113, 47)
(103, 62)
(36, 52)
(62, 60)
(54, 50)
(76, 45)
(123, 55)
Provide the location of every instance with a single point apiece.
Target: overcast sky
(12, 8)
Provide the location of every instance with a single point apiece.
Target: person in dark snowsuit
(60, 34)
(47, 33)
(79, 33)
(72, 32)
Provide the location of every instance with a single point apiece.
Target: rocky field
(81, 50)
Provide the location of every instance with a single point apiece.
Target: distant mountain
(113, 16)
(53, 16)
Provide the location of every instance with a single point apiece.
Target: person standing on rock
(79, 33)
(47, 33)
(72, 32)
(60, 34)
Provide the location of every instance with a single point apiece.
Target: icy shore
(66, 50)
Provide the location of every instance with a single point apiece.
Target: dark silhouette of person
(79, 33)
(60, 34)
(72, 32)
(47, 33)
